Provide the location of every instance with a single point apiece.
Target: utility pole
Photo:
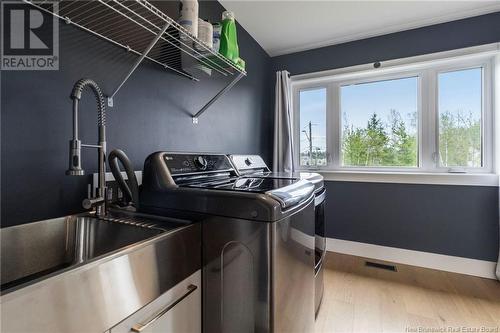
(309, 137)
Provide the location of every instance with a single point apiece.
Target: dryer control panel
(245, 164)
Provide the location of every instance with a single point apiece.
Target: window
(379, 123)
(460, 118)
(420, 117)
(313, 127)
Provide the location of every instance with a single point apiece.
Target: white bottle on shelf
(216, 36)
(189, 16)
(205, 33)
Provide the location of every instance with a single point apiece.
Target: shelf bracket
(138, 62)
(216, 97)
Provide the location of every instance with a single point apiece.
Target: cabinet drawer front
(177, 310)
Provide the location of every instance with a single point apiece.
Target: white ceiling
(282, 27)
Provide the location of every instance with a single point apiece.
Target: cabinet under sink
(177, 310)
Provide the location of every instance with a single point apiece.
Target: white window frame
(487, 140)
(427, 107)
(393, 76)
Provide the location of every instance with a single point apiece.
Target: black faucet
(75, 165)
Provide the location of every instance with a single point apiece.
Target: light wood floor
(364, 299)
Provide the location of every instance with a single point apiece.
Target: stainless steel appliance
(257, 236)
(254, 166)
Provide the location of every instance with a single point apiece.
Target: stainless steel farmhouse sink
(87, 274)
(35, 250)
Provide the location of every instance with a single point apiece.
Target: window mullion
(428, 127)
(333, 126)
(488, 116)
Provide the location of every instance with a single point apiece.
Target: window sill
(468, 179)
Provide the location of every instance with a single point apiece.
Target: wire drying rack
(144, 30)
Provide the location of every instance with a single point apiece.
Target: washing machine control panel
(181, 164)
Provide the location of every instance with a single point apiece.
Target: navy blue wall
(453, 220)
(446, 219)
(152, 112)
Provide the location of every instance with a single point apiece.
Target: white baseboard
(481, 268)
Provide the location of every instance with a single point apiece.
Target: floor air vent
(381, 266)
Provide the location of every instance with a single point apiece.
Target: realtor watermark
(30, 36)
(453, 329)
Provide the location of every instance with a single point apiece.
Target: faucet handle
(92, 202)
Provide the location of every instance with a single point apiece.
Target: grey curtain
(283, 140)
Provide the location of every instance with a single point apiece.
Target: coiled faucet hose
(76, 93)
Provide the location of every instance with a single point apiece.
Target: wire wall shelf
(144, 30)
